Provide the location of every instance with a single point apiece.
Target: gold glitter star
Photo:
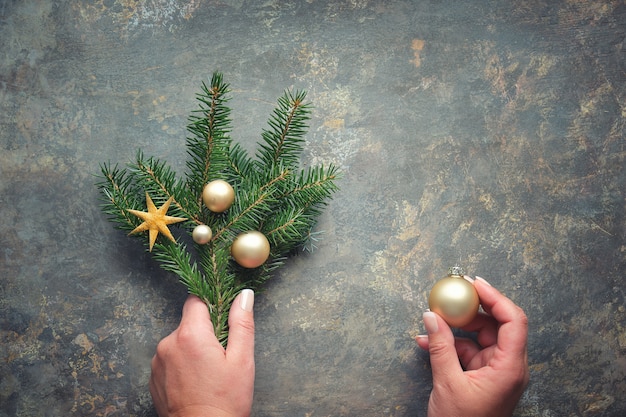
(155, 220)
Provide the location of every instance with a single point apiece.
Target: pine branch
(119, 195)
(256, 201)
(283, 142)
(272, 195)
(240, 165)
(209, 146)
(175, 258)
(224, 289)
(313, 186)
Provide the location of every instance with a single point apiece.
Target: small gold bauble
(202, 234)
(454, 299)
(218, 196)
(250, 249)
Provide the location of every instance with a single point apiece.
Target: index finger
(196, 314)
(513, 330)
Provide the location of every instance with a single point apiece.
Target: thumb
(241, 327)
(443, 356)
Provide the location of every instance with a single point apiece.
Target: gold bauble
(202, 234)
(218, 196)
(454, 299)
(250, 249)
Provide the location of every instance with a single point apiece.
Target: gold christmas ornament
(250, 249)
(454, 299)
(155, 220)
(218, 196)
(202, 234)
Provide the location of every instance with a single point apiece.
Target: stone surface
(489, 133)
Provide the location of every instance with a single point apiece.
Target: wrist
(207, 411)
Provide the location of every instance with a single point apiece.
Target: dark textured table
(486, 133)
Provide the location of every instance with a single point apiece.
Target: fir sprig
(272, 195)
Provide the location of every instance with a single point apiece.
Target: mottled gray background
(485, 132)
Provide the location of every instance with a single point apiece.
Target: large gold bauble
(454, 299)
(218, 196)
(250, 249)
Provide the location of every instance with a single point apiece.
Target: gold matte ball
(218, 196)
(455, 300)
(250, 249)
(202, 234)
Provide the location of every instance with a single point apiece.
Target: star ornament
(155, 220)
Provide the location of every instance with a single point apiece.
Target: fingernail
(247, 300)
(468, 278)
(430, 322)
(483, 280)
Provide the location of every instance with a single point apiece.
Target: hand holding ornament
(480, 380)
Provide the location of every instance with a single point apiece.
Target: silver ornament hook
(456, 270)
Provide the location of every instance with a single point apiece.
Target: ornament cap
(456, 270)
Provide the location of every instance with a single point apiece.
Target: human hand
(496, 372)
(193, 375)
